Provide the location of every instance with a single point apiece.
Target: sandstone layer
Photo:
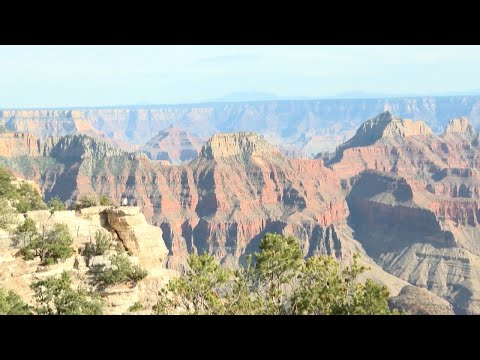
(174, 145)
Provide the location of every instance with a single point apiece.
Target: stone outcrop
(139, 238)
(22, 144)
(174, 145)
(461, 126)
(385, 126)
(127, 228)
(417, 301)
(239, 145)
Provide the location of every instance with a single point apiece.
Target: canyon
(308, 125)
(399, 194)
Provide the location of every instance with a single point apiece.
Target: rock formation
(417, 301)
(413, 205)
(173, 144)
(126, 225)
(139, 238)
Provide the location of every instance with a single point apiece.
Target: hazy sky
(49, 76)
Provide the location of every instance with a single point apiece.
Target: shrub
(120, 271)
(86, 201)
(7, 215)
(105, 201)
(12, 304)
(52, 246)
(29, 199)
(101, 245)
(136, 307)
(56, 204)
(26, 233)
(55, 296)
(7, 189)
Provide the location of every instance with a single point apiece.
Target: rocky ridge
(174, 145)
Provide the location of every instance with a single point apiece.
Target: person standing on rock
(124, 201)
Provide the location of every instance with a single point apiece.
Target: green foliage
(23, 197)
(56, 204)
(327, 288)
(7, 189)
(12, 304)
(101, 245)
(105, 201)
(199, 291)
(277, 265)
(120, 271)
(7, 215)
(26, 233)
(52, 246)
(136, 307)
(29, 199)
(86, 201)
(55, 296)
(279, 282)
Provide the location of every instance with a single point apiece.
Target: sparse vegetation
(120, 271)
(24, 197)
(56, 204)
(7, 189)
(29, 199)
(12, 304)
(7, 215)
(101, 245)
(136, 307)
(26, 233)
(55, 296)
(280, 281)
(86, 201)
(106, 201)
(51, 246)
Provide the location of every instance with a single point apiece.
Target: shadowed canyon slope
(402, 196)
(414, 203)
(308, 125)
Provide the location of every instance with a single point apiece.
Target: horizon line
(183, 104)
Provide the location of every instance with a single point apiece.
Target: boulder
(139, 238)
(417, 301)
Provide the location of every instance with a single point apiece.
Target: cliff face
(414, 203)
(174, 145)
(238, 188)
(20, 144)
(313, 125)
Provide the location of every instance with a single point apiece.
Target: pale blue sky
(69, 76)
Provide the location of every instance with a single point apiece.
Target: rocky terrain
(308, 125)
(173, 145)
(401, 196)
(127, 227)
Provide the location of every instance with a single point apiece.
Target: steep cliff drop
(414, 202)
